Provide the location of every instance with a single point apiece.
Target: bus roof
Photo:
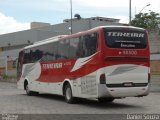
(45, 41)
(56, 38)
(113, 26)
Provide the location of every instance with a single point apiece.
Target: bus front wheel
(28, 91)
(68, 94)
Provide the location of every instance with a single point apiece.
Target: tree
(146, 20)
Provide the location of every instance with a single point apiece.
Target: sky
(16, 15)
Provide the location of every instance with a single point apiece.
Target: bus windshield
(127, 39)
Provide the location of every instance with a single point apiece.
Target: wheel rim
(68, 93)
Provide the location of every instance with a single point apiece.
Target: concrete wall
(154, 37)
(155, 66)
(155, 63)
(17, 38)
(80, 25)
(38, 24)
(10, 44)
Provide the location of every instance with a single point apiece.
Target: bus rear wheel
(105, 100)
(68, 94)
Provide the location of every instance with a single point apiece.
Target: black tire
(68, 94)
(105, 100)
(29, 92)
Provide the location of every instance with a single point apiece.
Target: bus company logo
(52, 66)
(128, 52)
(126, 34)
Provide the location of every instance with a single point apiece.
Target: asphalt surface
(16, 102)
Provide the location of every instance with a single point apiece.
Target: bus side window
(81, 48)
(73, 48)
(26, 58)
(37, 54)
(90, 43)
(63, 48)
(93, 43)
(55, 50)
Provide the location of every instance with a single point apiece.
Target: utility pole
(130, 7)
(71, 15)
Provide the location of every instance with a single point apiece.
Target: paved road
(15, 101)
(50, 107)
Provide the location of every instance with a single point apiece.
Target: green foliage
(5, 77)
(146, 20)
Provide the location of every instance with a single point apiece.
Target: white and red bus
(105, 63)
